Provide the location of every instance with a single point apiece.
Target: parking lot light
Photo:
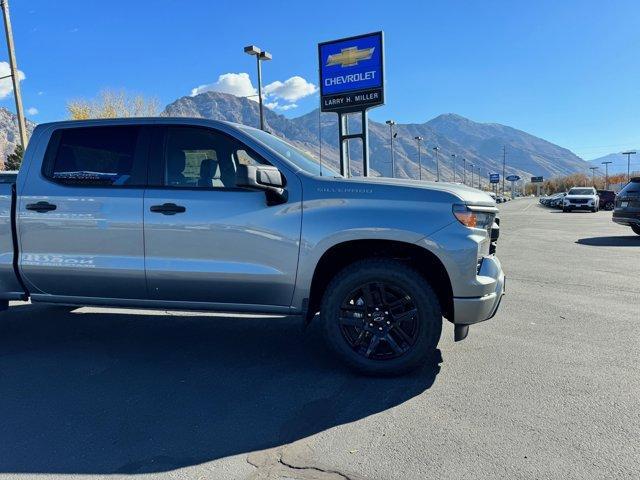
(391, 123)
(418, 140)
(628, 154)
(261, 56)
(606, 174)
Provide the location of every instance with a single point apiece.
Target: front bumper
(470, 310)
(579, 206)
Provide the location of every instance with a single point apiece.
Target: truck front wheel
(636, 228)
(381, 317)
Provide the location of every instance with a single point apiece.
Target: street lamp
(464, 171)
(606, 175)
(418, 140)
(479, 178)
(437, 149)
(453, 161)
(593, 175)
(471, 165)
(260, 57)
(628, 154)
(391, 123)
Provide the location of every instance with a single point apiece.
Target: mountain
(9, 136)
(619, 162)
(480, 143)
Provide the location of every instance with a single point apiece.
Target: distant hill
(480, 143)
(619, 164)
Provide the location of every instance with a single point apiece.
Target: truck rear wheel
(636, 228)
(381, 317)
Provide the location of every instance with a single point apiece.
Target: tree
(112, 104)
(14, 159)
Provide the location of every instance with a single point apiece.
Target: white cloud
(6, 87)
(238, 84)
(32, 111)
(288, 106)
(40, 92)
(290, 90)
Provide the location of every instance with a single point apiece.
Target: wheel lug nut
(368, 314)
(371, 324)
(386, 313)
(377, 309)
(380, 328)
(388, 322)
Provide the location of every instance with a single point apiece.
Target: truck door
(207, 240)
(80, 216)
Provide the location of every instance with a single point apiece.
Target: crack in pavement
(270, 465)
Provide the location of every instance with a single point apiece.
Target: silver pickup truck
(196, 214)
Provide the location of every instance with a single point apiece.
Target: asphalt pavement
(549, 388)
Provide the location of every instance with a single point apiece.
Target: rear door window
(111, 156)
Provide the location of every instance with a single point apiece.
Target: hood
(581, 197)
(467, 195)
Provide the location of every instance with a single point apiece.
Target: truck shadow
(116, 393)
(611, 241)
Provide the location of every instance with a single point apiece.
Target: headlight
(472, 219)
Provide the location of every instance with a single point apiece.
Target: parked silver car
(196, 214)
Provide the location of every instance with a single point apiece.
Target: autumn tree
(14, 159)
(112, 104)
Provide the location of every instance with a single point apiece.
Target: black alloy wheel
(378, 321)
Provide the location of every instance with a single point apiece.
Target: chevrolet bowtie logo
(348, 57)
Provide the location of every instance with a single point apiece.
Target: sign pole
(365, 143)
(343, 125)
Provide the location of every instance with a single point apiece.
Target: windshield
(581, 191)
(299, 158)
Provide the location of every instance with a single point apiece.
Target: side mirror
(263, 177)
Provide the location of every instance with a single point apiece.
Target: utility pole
(22, 126)
(628, 154)
(437, 149)
(453, 161)
(261, 56)
(418, 140)
(504, 164)
(606, 175)
(593, 175)
(391, 123)
(464, 171)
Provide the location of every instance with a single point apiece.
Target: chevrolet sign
(351, 73)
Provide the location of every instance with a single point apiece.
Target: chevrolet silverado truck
(196, 214)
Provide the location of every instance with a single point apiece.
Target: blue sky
(567, 71)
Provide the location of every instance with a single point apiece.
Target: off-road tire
(394, 273)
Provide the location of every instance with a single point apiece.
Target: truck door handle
(41, 207)
(168, 209)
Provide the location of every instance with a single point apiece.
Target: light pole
(391, 123)
(260, 57)
(471, 165)
(453, 162)
(606, 175)
(418, 140)
(479, 179)
(628, 154)
(464, 171)
(437, 149)
(593, 175)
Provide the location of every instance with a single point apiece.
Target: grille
(579, 201)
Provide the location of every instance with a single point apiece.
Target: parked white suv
(585, 198)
